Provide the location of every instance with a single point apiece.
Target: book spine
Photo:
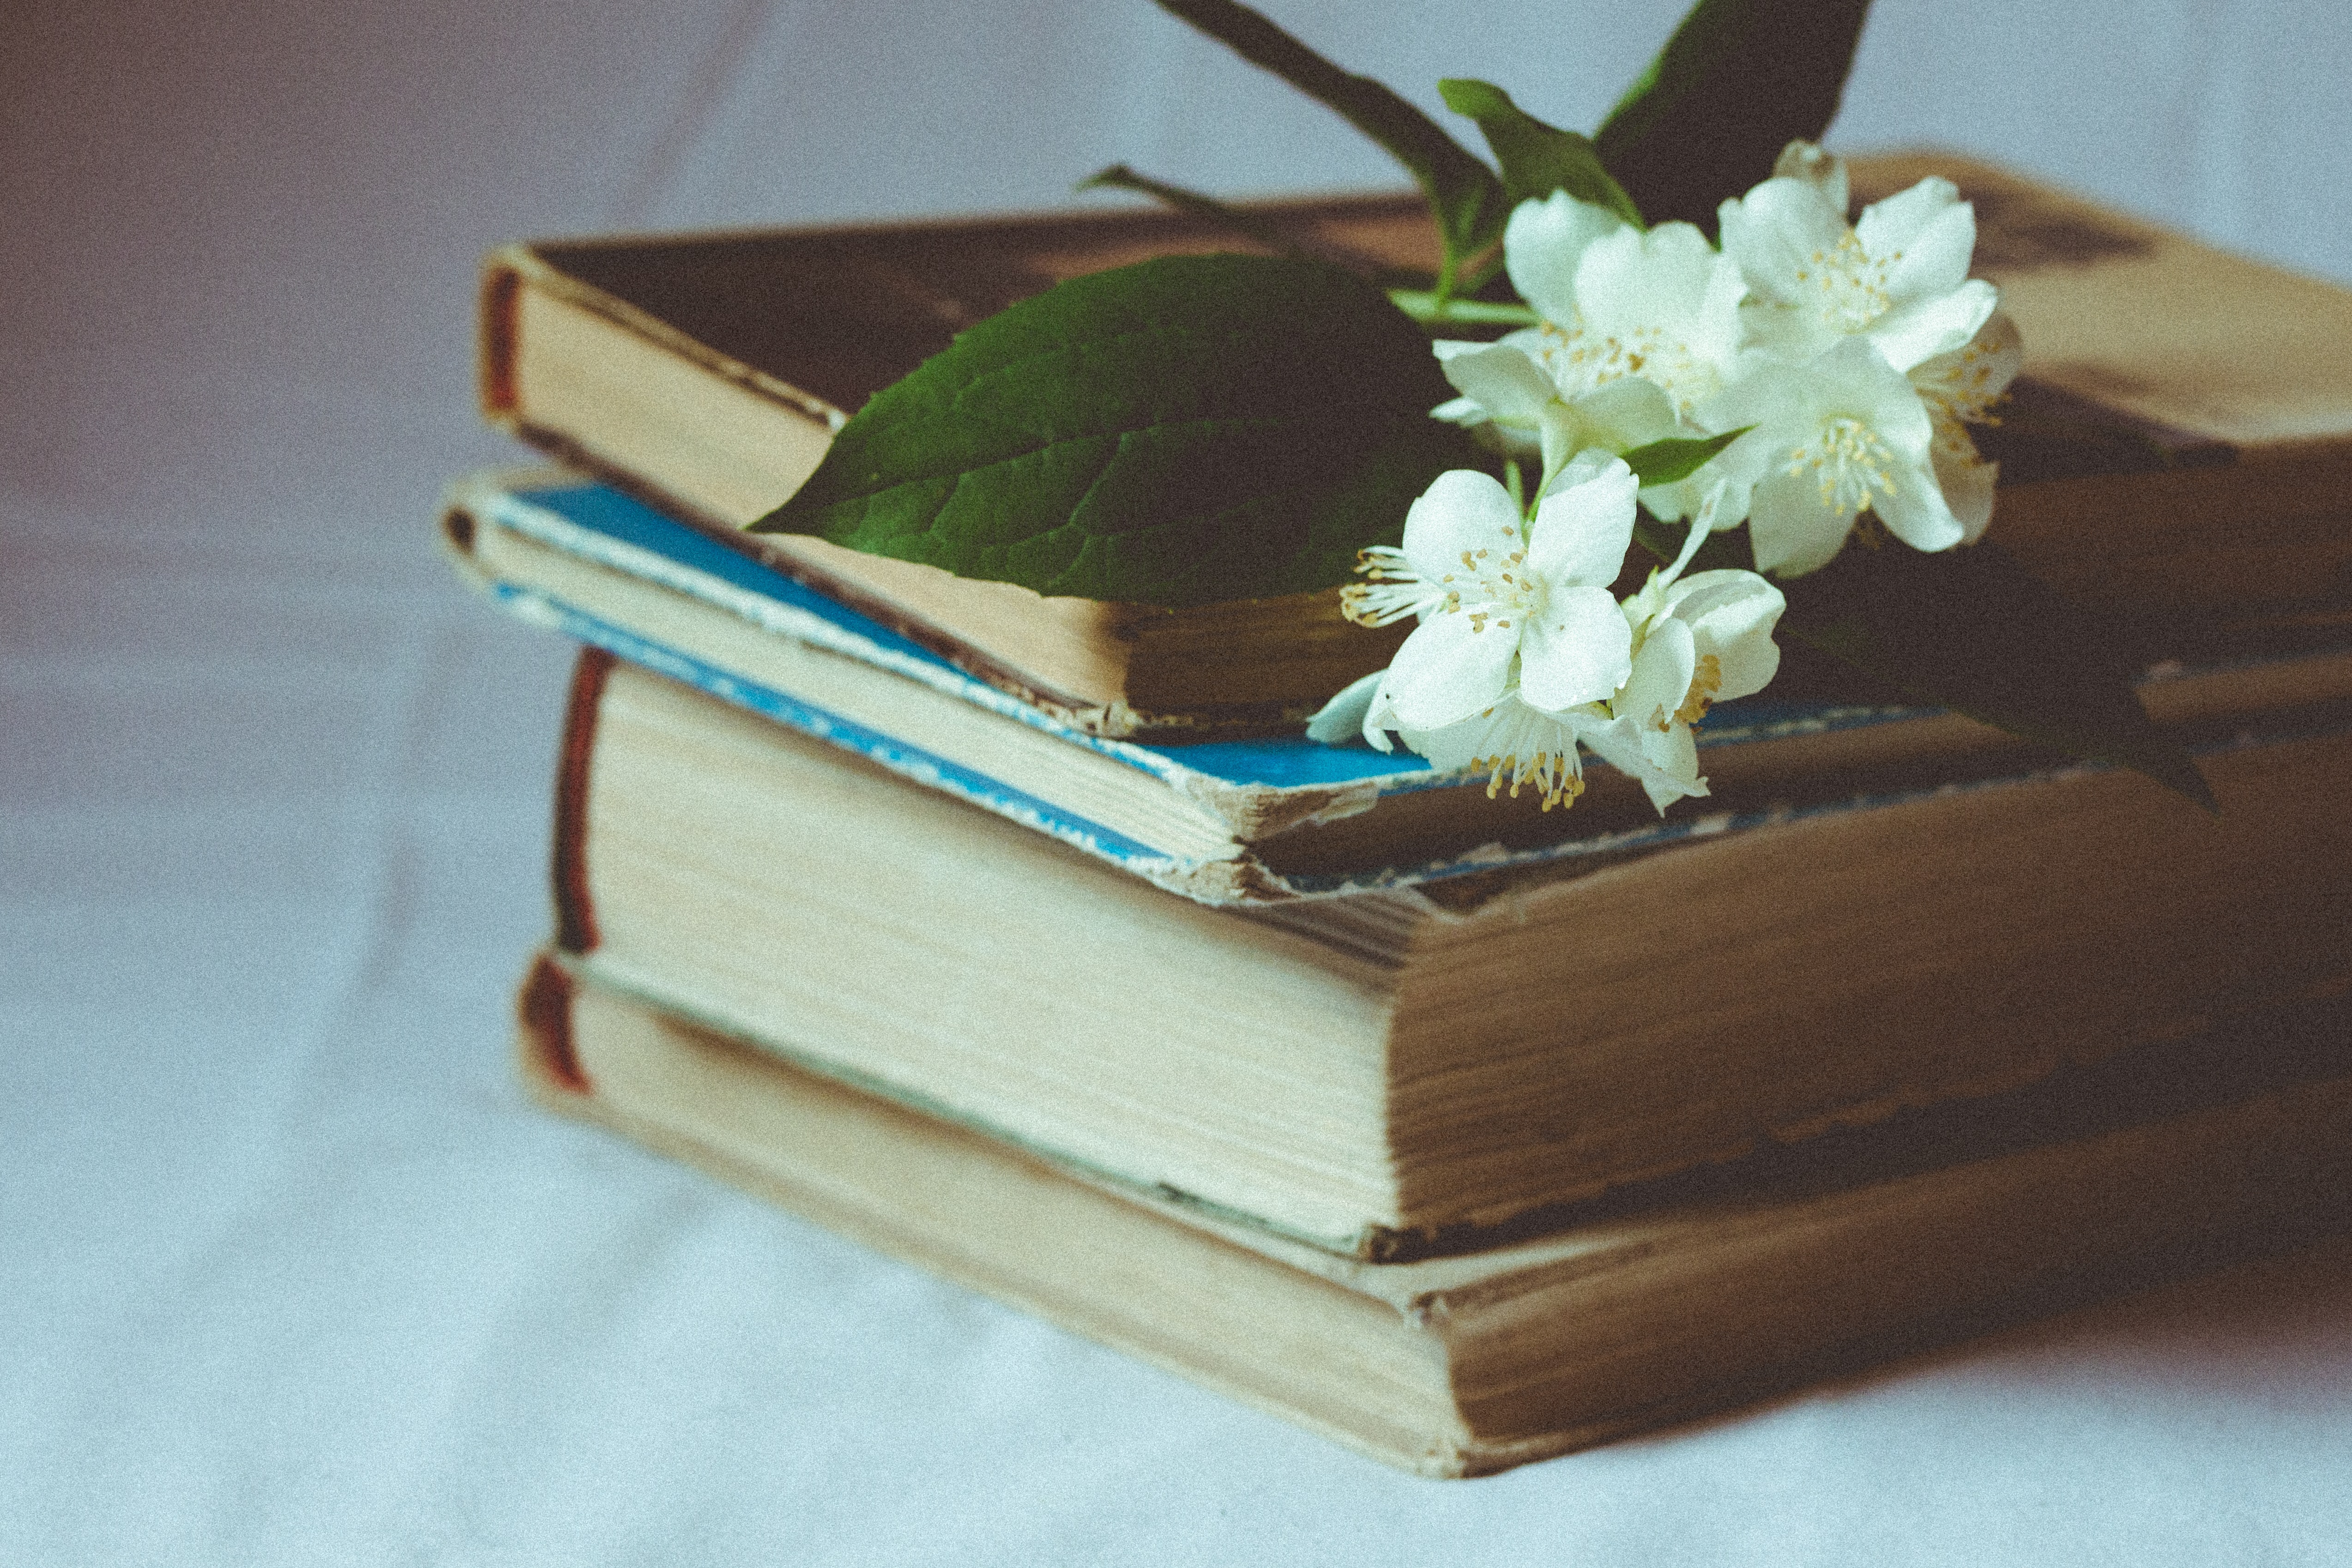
(543, 1017)
(495, 340)
(575, 914)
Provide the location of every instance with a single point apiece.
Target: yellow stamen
(1706, 681)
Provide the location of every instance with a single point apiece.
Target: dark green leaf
(1462, 192)
(1184, 430)
(1971, 630)
(1119, 177)
(1739, 81)
(1535, 158)
(1677, 457)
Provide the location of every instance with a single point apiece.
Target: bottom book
(1654, 1304)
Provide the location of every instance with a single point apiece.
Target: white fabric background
(290, 1273)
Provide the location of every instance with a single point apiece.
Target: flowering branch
(1242, 426)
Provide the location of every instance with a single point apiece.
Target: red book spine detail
(544, 1009)
(502, 289)
(575, 918)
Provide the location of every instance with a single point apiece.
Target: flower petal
(1685, 498)
(1542, 244)
(1629, 412)
(1731, 615)
(1512, 740)
(1658, 281)
(1792, 526)
(1916, 513)
(1462, 510)
(1770, 396)
(1584, 524)
(1774, 232)
(1506, 384)
(1341, 719)
(1577, 651)
(1824, 171)
(1454, 664)
(1661, 677)
(1965, 479)
(1674, 766)
(1628, 749)
(1922, 330)
(1381, 717)
(1926, 233)
(1853, 381)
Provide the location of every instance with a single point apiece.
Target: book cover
(1256, 819)
(2180, 444)
(1650, 1307)
(1391, 1071)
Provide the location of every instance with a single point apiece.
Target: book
(1421, 1067)
(2180, 445)
(1259, 819)
(707, 373)
(1668, 1302)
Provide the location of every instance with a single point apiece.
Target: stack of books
(1030, 939)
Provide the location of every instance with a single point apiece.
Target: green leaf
(1677, 457)
(1739, 82)
(1970, 630)
(1189, 429)
(1462, 193)
(1535, 158)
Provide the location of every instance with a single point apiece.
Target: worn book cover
(2180, 444)
(1653, 1306)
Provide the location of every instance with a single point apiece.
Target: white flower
(1510, 394)
(1618, 301)
(1840, 435)
(1544, 243)
(1501, 606)
(1705, 639)
(1868, 349)
(1640, 327)
(1508, 742)
(1697, 640)
(1511, 742)
(1959, 389)
(1520, 638)
(1690, 641)
(1898, 276)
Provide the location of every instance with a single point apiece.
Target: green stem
(1483, 273)
(1462, 193)
(1442, 295)
(1119, 177)
(1430, 307)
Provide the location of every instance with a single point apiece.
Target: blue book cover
(1184, 816)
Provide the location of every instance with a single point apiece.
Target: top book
(2183, 453)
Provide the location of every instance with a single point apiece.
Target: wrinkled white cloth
(290, 1273)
